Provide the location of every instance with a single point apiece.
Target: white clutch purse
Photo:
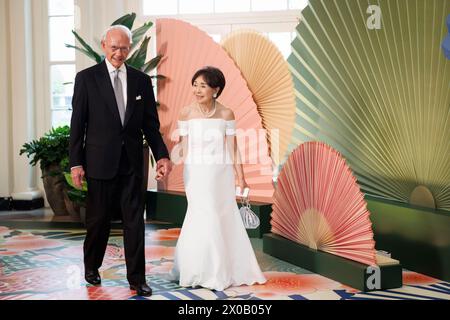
(249, 218)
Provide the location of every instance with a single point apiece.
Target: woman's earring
(215, 95)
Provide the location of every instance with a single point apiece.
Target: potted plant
(49, 151)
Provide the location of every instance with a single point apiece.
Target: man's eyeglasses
(123, 49)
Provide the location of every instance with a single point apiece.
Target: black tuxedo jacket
(96, 132)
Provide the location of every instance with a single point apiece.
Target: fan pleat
(318, 203)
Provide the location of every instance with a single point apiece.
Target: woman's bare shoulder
(226, 113)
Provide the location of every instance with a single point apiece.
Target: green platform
(170, 206)
(345, 271)
(418, 237)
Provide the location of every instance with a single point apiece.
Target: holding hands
(163, 168)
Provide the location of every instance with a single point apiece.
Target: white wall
(5, 102)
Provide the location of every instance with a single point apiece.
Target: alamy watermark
(73, 280)
(374, 20)
(373, 281)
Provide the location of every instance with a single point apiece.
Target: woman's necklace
(208, 114)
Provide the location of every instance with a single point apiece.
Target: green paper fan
(381, 97)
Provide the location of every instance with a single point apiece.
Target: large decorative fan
(379, 96)
(186, 49)
(268, 77)
(318, 203)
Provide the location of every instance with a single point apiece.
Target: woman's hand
(243, 184)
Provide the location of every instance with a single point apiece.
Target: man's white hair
(119, 27)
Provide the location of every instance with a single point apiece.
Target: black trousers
(125, 191)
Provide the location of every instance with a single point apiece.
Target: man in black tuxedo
(113, 104)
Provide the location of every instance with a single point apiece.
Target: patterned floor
(47, 265)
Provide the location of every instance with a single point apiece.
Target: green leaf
(139, 33)
(85, 52)
(137, 59)
(149, 66)
(50, 149)
(87, 47)
(126, 20)
(77, 196)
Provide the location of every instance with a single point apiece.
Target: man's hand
(77, 177)
(163, 168)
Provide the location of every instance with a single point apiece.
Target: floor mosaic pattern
(47, 265)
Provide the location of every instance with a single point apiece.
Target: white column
(41, 77)
(22, 98)
(41, 72)
(5, 104)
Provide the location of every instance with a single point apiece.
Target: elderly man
(113, 104)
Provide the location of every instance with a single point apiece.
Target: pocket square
(138, 98)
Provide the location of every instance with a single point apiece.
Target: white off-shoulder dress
(213, 250)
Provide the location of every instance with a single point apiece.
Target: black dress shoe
(142, 289)
(93, 277)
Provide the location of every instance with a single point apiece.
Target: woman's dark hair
(213, 77)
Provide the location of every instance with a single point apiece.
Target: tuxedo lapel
(106, 89)
(131, 92)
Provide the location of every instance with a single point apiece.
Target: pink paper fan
(318, 203)
(186, 49)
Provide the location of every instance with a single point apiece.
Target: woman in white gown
(213, 250)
